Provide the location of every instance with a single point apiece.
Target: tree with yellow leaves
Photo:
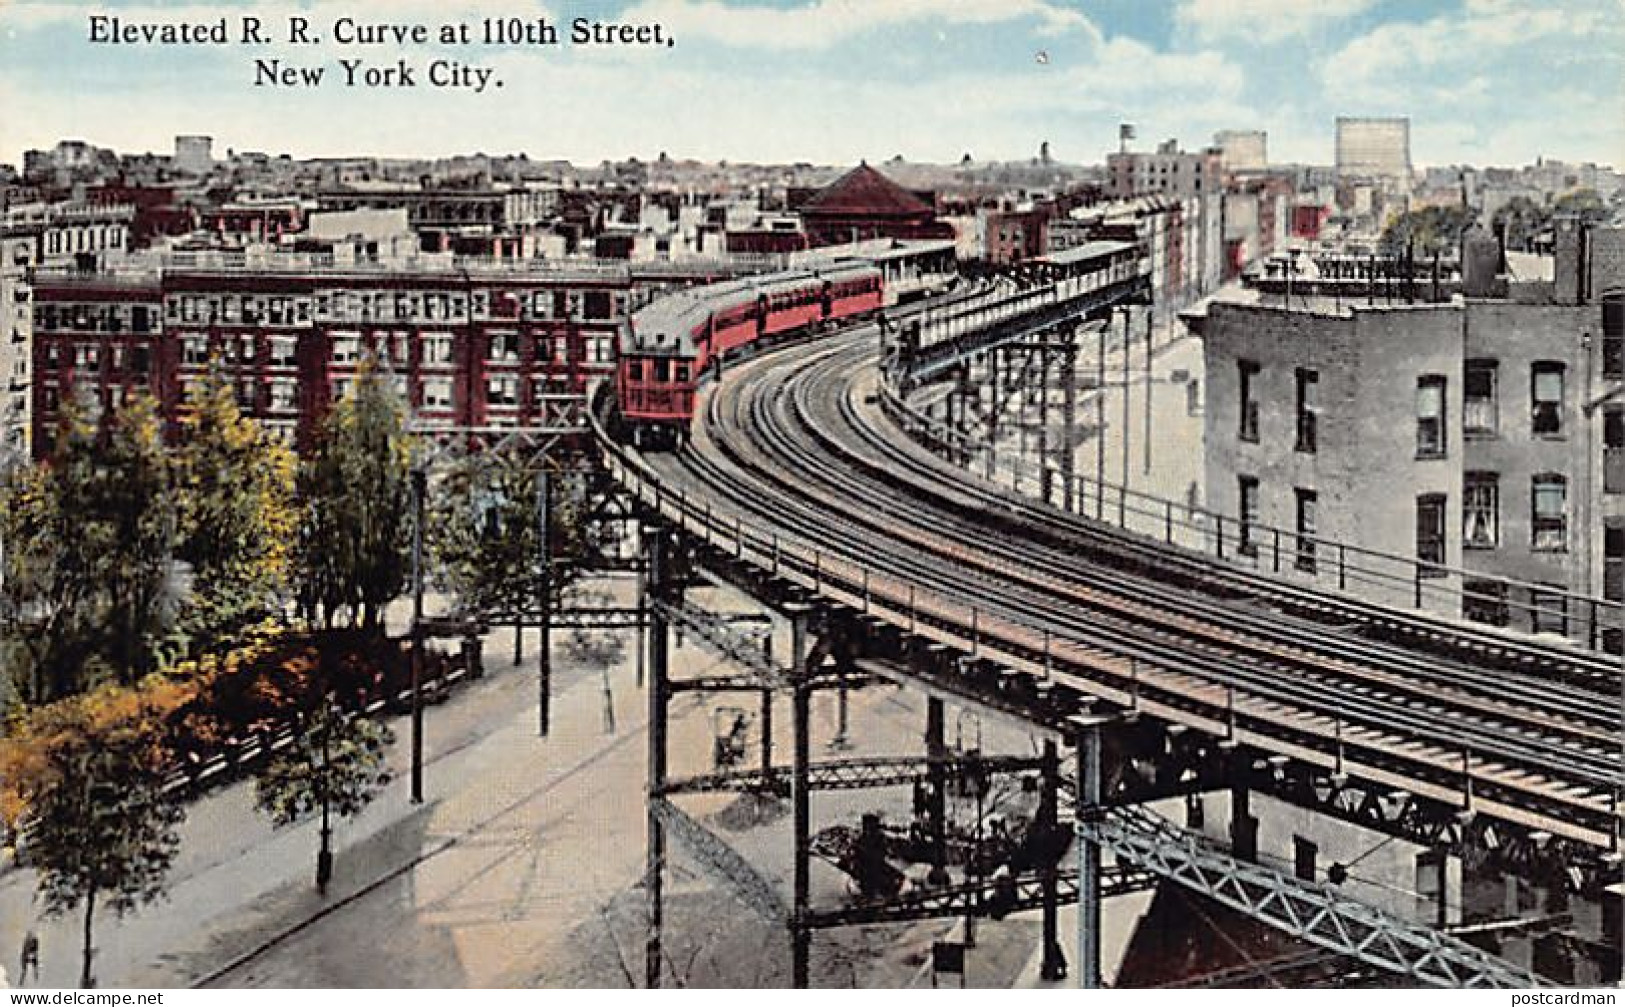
(85, 780)
(236, 517)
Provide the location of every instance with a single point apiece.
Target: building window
(436, 349)
(284, 395)
(1304, 854)
(346, 349)
(341, 388)
(1613, 448)
(1248, 374)
(504, 348)
(1247, 512)
(1548, 610)
(502, 390)
(1480, 510)
(1613, 561)
(1478, 409)
(1550, 509)
(284, 351)
(1308, 409)
(1484, 601)
(1431, 440)
(437, 393)
(1547, 394)
(1306, 530)
(600, 349)
(1430, 509)
(195, 350)
(1613, 337)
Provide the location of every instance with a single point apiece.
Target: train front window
(682, 373)
(634, 370)
(662, 370)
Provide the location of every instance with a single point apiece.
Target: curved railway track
(793, 447)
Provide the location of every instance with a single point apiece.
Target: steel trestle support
(850, 774)
(998, 895)
(1311, 912)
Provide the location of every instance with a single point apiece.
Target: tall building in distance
(194, 154)
(1243, 149)
(1374, 148)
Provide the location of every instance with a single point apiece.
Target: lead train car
(668, 346)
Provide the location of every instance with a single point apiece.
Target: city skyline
(1485, 82)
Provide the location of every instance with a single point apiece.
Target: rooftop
(863, 191)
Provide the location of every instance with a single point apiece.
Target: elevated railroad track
(794, 469)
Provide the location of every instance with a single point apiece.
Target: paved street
(524, 866)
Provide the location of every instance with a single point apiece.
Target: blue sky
(832, 81)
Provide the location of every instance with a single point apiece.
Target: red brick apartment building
(487, 346)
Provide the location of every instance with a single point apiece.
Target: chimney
(1567, 267)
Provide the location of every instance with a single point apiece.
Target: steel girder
(921, 361)
(720, 860)
(1477, 839)
(983, 897)
(1311, 912)
(850, 774)
(744, 650)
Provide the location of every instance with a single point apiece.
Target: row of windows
(394, 306)
(1481, 398)
(235, 309)
(349, 348)
(1486, 601)
(660, 370)
(98, 317)
(83, 239)
(1480, 407)
(93, 356)
(1480, 518)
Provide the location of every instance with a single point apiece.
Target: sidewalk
(237, 881)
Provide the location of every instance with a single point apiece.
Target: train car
(668, 347)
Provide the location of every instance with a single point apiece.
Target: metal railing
(1326, 564)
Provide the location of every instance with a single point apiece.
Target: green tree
(356, 495)
(101, 825)
(45, 603)
(485, 536)
(131, 511)
(236, 516)
(334, 767)
(89, 540)
(1520, 219)
(1587, 203)
(1428, 231)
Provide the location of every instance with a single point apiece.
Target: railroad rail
(794, 470)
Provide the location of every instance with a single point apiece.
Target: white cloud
(1382, 64)
(1263, 20)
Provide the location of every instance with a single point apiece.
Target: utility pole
(1100, 423)
(420, 481)
(1122, 489)
(544, 622)
(1150, 334)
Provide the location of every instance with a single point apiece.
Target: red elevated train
(668, 346)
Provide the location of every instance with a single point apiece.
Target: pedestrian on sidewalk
(30, 958)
